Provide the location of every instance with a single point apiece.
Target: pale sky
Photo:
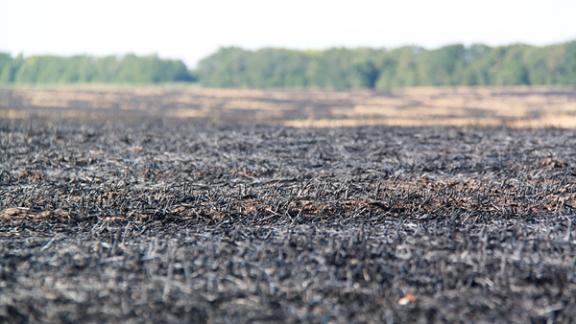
(190, 30)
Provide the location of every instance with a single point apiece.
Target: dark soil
(157, 220)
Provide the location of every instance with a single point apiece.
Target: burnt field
(142, 218)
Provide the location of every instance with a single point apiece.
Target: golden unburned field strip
(512, 106)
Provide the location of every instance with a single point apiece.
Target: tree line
(336, 68)
(49, 69)
(365, 68)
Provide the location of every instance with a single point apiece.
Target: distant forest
(88, 69)
(337, 68)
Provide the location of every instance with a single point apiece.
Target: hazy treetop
(335, 68)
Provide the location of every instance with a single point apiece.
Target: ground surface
(513, 107)
(163, 220)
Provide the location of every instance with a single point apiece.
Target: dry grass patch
(21, 213)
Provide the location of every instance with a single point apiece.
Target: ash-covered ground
(158, 220)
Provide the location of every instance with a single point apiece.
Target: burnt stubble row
(159, 220)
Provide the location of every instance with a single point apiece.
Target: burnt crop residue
(166, 220)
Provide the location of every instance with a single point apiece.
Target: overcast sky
(193, 29)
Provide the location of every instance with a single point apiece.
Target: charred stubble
(167, 221)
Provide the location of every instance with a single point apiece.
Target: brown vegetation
(512, 107)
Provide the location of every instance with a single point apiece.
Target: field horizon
(517, 107)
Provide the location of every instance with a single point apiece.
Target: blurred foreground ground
(132, 215)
